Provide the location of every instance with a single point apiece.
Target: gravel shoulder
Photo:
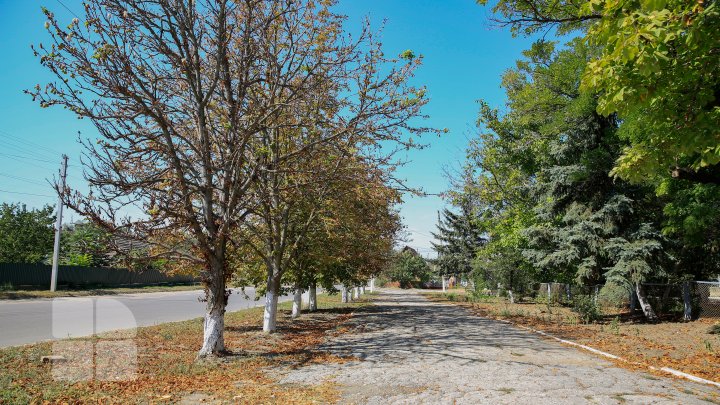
(410, 350)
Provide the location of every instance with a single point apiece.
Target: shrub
(381, 282)
(409, 269)
(614, 295)
(586, 307)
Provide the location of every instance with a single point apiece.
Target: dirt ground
(685, 346)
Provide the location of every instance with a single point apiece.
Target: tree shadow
(395, 327)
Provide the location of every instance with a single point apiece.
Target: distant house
(408, 249)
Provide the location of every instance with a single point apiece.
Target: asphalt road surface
(35, 320)
(413, 351)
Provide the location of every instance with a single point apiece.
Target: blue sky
(464, 57)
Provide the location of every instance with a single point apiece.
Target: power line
(25, 150)
(26, 157)
(17, 139)
(67, 8)
(35, 164)
(25, 179)
(18, 192)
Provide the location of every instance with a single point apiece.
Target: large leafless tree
(200, 105)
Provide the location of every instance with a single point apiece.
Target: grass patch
(167, 370)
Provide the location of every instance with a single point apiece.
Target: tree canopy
(542, 186)
(26, 236)
(231, 126)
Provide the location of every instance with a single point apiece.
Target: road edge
(667, 370)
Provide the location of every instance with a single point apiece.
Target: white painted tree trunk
(270, 314)
(510, 295)
(344, 293)
(362, 290)
(644, 303)
(356, 293)
(372, 285)
(214, 322)
(297, 303)
(312, 297)
(213, 330)
(443, 283)
(306, 299)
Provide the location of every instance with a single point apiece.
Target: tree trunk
(687, 301)
(356, 293)
(312, 301)
(344, 294)
(271, 304)
(214, 323)
(644, 303)
(510, 295)
(297, 303)
(372, 284)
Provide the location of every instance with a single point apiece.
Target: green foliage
(26, 236)
(408, 269)
(408, 55)
(458, 238)
(654, 69)
(613, 295)
(84, 244)
(74, 259)
(660, 71)
(586, 307)
(549, 206)
(658, 68)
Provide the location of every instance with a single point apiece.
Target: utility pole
(58, 225)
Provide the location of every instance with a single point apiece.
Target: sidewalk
(411, 351)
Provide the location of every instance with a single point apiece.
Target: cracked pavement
(411, 350)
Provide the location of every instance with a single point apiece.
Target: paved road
(414, 351)
(35, 320)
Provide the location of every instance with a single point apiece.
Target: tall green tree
(458, 237)
(655, 69)
(544, 175)
(26, 236)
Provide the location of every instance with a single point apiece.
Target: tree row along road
(30, 321)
